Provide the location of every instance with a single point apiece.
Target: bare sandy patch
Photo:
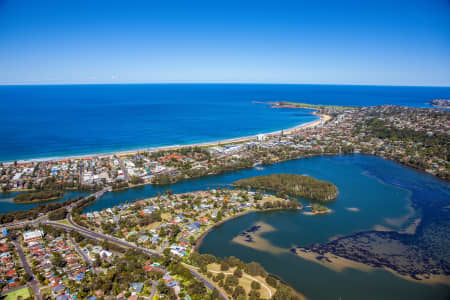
(315, 213)
(381, 228)
(398, 222)
(339, 264)
(353, 209)
(411, 229)
(252, 238)
(332, 261)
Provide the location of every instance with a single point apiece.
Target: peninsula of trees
(294, 185)
(40, 196)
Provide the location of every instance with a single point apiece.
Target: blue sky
(382, 42)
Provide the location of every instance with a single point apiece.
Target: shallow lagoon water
(381, 191)
(357, 188)
(372, 191)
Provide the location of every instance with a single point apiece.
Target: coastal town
(65, 265)
(147, 249)
(225, 150)
(176, 221)
(415, 137)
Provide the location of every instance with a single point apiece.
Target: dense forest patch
(38, 196)
(294, 185)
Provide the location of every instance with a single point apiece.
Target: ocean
(69, 120)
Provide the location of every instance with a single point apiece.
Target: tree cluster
(292, 184)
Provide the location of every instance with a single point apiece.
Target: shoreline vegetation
(229, 273)
(78, 202)
(38, 197)
(264, 208)
(374, 127)
(293, 185)
(317, 209)
(235, 203)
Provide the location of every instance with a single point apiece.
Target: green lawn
(64, 222)
(25, 293)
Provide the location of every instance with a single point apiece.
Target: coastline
(339, 264)
(199, 240)
(243, 139)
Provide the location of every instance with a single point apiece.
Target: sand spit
(252, 238)
(339, 264)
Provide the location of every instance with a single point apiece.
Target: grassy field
(151, 226)
(25, 293)
(245, 281)
(65, 222)
(166, 216)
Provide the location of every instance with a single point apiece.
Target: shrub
(231, 280)
(237, 273)
(272, 281)
(255, 285)
(255, 269)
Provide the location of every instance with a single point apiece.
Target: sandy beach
(322, 118)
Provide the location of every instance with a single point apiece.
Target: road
(34, 284)
(43, 219)
(203, 279)
(125, 172)
(83, 254)
(99, 237)
(97, 195)
(81, 174)
(153, 291)
(86, 258)
(269, 292)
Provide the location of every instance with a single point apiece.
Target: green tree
(255, 285)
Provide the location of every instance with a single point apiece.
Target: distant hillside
(291, 184)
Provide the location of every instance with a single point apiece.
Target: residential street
(34, 284)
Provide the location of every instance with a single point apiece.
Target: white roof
(32, 234)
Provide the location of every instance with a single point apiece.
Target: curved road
(100, 236)
(96, 236)
(200, 277)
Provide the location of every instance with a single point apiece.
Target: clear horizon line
(209, 82)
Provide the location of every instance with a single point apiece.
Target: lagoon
(374, 193)
(8, 205)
